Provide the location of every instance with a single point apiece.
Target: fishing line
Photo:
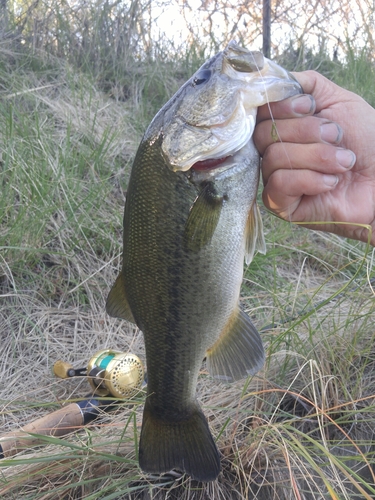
(274, 132)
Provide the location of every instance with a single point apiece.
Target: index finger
(325, 92)
(293, 107)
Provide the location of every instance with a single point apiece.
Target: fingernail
(331, 132)
(330, 180)
(303, 104)
(345, 158)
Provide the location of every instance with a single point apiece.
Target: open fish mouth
(217, 114)
(210, 164)
(211, 168)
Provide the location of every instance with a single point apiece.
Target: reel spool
(109, 372)
(115, 373)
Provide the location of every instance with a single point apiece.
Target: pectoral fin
(254, 234)
(117, 304)
(203, 218)
(239, 350)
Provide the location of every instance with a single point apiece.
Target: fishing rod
(110, 373)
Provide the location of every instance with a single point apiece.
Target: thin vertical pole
(267, 28)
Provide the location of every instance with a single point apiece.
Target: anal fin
(239, 350)
(117, 304)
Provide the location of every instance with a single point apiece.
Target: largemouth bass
(190, 220)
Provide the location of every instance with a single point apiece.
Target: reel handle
(58, 423)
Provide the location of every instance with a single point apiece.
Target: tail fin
(186, 445)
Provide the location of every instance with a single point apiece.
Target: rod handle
(56, 424)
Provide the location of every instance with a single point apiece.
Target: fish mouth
(217, 167)
(209, 164)
(217, 114)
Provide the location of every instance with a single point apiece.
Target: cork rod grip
(58, 423)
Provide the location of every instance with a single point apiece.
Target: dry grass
(303, 428)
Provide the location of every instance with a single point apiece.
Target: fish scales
(182, 314)
(190, 218)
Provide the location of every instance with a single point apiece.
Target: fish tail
(186, 445)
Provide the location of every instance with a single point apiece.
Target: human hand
(322, 165)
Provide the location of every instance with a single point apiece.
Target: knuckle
(262, 136)
(276, 155)
(276, 181)
(325, 155)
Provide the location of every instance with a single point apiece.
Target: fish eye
(202, 77)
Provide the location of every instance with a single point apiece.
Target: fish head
(213, 115)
